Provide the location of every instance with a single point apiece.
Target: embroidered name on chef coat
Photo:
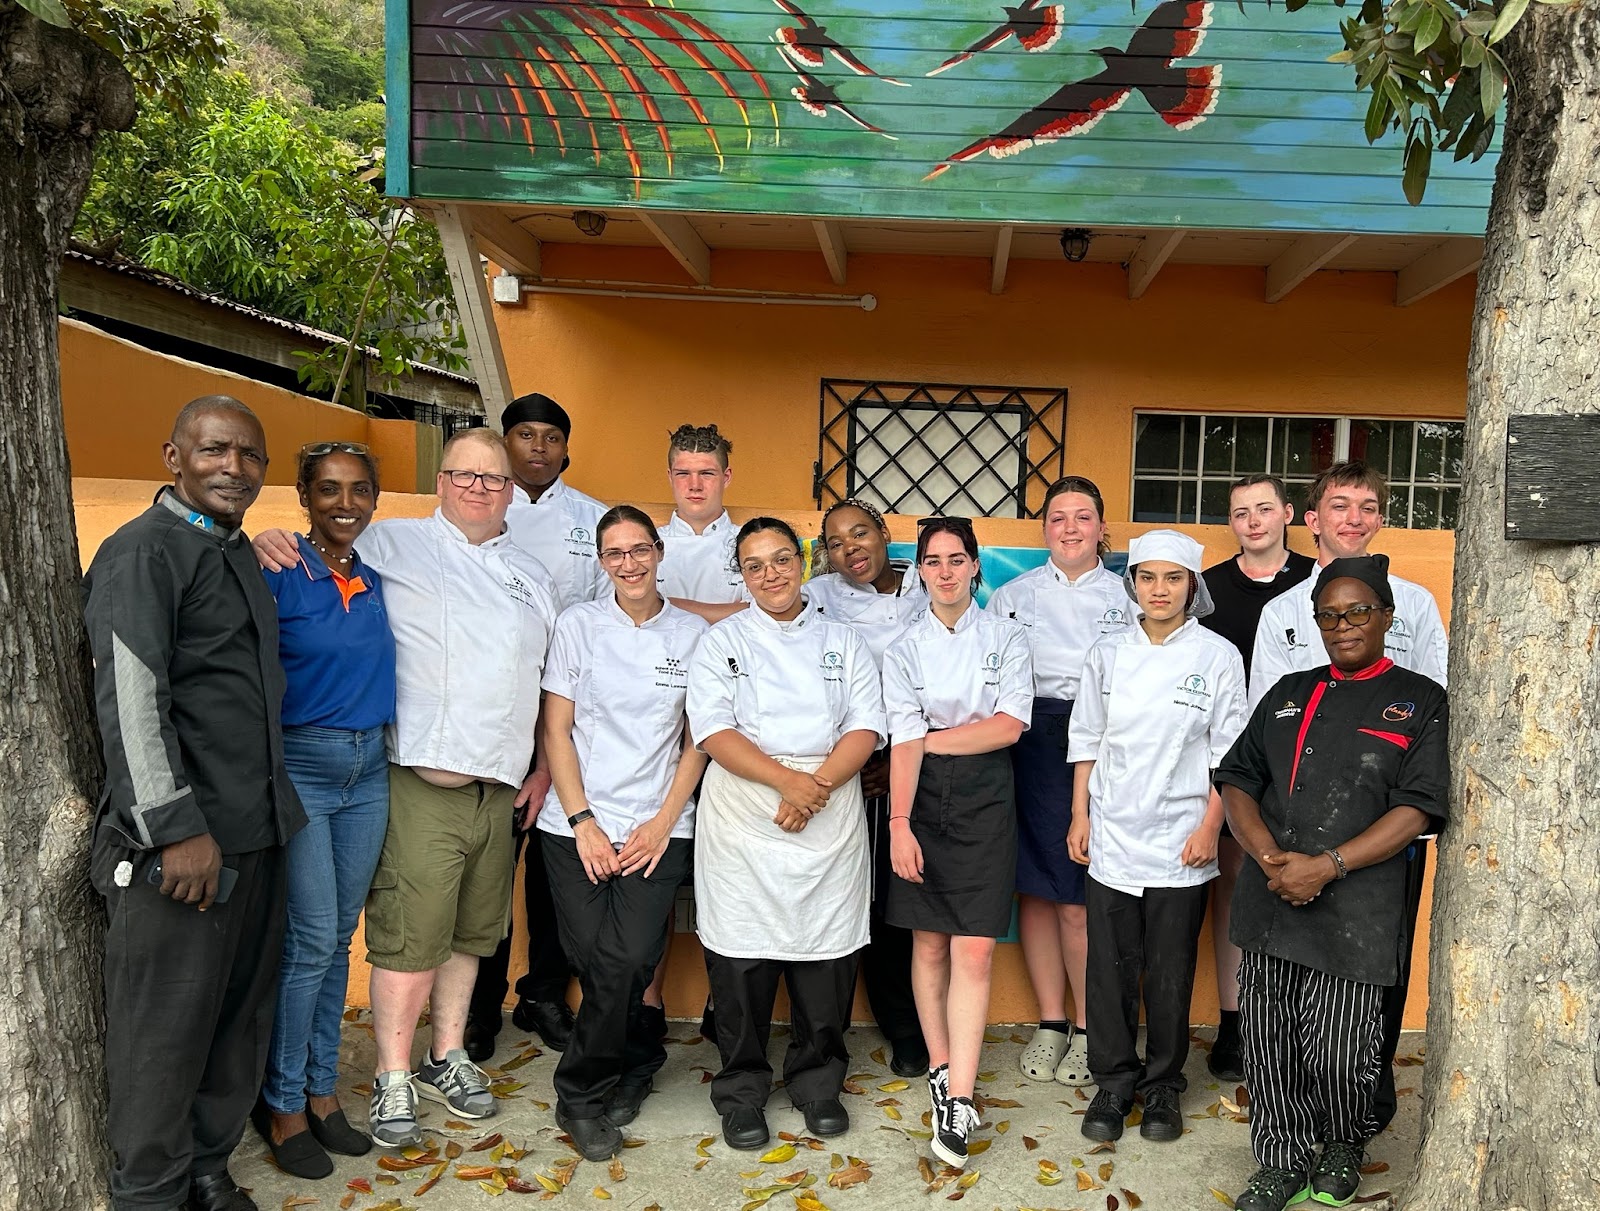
(1192, 693)
(673, 673)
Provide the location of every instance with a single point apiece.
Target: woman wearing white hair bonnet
(1158, 707)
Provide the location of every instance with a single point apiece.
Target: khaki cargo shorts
(444, 878)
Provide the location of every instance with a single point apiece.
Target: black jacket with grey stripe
(188, 686)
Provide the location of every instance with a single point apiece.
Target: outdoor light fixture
(1074, 243)
(592, 222)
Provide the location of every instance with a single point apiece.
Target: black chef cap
(539, 409)
(1370, 570)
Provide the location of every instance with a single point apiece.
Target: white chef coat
(792, 688)
(699, 567)
(627, 685)
(879, 618)
(1155, 719)
(559, 529)
(1287, 639)
(471, 624)
(937, 678)
(1064, 619)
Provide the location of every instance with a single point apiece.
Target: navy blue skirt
(1044, 807)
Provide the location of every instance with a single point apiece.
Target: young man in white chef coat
(1344, 509)
(697, 573)
(1158, 707)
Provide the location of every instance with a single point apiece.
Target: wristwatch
(585, 814)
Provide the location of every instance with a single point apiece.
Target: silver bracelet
(1338, 862)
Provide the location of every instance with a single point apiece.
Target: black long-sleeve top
(1326, 755)
(188, 686)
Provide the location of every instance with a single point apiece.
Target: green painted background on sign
(1197, 115)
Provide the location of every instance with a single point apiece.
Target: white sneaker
(1043, 1053)
(1073, 1069)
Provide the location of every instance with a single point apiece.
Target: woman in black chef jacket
(1339, 769)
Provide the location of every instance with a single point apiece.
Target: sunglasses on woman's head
(318, 449)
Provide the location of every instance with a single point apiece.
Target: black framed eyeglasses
(612, 557)
(465, 480)
(318, 449)
(1356, 616)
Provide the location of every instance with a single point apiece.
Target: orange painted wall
(119, 399)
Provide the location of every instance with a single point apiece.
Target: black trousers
(886, 960)
(1149, 939)
(1311, 1045)
(815, 1064)
(549, 972)
(190, 998)
(1394, 997)
(616, 931)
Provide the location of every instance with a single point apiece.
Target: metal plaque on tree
(1552, 490)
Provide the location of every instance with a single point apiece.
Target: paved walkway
(1032, 1157)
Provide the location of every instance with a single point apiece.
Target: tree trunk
(56, 91)
(1512, 1085)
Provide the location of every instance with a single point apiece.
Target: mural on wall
(1181, 112)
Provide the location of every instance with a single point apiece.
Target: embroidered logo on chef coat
(1192, 692)
(519, 588)
(832, 666)
(1288, 711)
(1397, 712)
(673, 674)
(991, 668)
(580, 542)
(1399, 637)
(1113, 619)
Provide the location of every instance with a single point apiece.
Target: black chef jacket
(1326, 754)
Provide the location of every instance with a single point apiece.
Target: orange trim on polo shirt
(348, 587)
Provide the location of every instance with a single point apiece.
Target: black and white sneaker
(938, 1089)
(951, 1129)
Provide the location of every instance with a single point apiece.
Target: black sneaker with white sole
(952, 1129)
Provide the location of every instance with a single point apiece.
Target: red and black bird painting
(1183, 96)
(807, 44)
(818, 97)
(1034, 24)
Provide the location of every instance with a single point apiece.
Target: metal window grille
(940, 447)
(1184, 462)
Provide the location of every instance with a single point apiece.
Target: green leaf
(1377, 116)
(49, 11)
(1419, 157)
(1492, 84)
(1509, 16)
(1478, 22)
(1430, 27)
(1472, 52)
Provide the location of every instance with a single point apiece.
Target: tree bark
(56, 91)
(1512, 1085)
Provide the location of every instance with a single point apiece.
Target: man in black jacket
(189, 836)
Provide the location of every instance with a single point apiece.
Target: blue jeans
(343, 780)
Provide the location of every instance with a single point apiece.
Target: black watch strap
(585, 814)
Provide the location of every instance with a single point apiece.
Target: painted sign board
(1177, 113)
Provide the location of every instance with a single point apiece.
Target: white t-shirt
(1064, 619)
(1155, 719)
(471, 625)
(627, 685)
(937, 678)
(559, 530)
(699, 567)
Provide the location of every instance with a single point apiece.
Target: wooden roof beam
(471, 290)
(1436, 269)
(504, 243)
(1148, 259)
(678, 236)
(1300, 260)
(830, 237)
(1001, 261)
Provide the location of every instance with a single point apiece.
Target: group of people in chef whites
(860, 770)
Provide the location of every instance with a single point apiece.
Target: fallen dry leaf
(1003, 1126)
(1375, 1167)
(704, 1144)
(894, 1086)
(1222, 1198)
(986, 1077)
(347, 1202)
(1001, 1103)
(487, 1142)
(1105, 1171)
(425, 1187)
(387, 1179)
(453, 1149)
(400, 1164)
(1111, 1202)
(968, 1180)
(977, 1146)
(457, 1125)
(632, 1142)
(615, 1169)
(925, 1168)
(1086, 1181)
(600, 1192)
(517, 1186)
(1372, 1198)
(550, 1184)
(359, 1184)
(1103, 1146)
(1134, 1201)
(776, 1156)
(878, 1057)
(1029, 1142)
(701, 1164)
(858, 1171)
(474, 1173)
(299, 1200)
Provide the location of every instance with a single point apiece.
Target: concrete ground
(1032, 1155)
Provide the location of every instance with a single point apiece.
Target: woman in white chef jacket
(857, 584)
(1066, 605)
(618, 822)
(788, 706)
(958, 691)
(1158, 708)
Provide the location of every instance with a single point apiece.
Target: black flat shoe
(1106, 1117)
(337, 1135)
(1226, 1061)
(550, 1020)
(1163, 1116)
(825, 1117)
(478, 1039)
(745, 1128)
(218, 1192)
(908, 1057)
(596, 1138)
(300, 1155)
(623, 1102)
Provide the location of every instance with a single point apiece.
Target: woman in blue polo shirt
(338, 657)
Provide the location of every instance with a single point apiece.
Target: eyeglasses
(465, 479)
(611, 557)
(751, 568)
(1356, 616)
(318, 449)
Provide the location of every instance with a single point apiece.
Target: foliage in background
(1433, 72)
